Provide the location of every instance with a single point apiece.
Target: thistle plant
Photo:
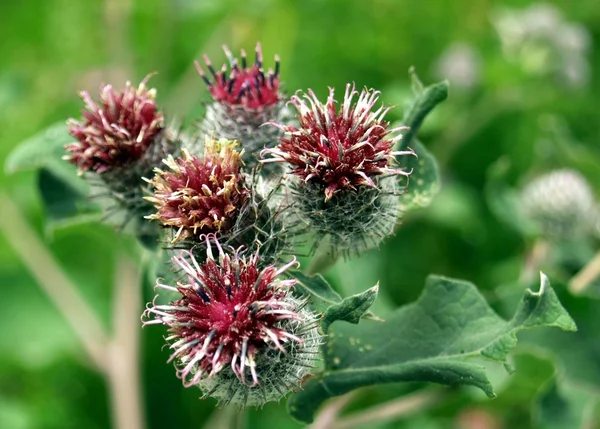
(244, 98)
(241, 321)
(343, 180)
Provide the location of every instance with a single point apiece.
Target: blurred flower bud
(560, 204)
(237, 331)
(540, 40)
(460, 64)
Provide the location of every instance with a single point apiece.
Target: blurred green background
(532, 101)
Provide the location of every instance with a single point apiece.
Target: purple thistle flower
(199, 196)
(247, 86)
(233, 322)
(339, 149)
(115, 132)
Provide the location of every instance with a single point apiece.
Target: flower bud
(237, 331)
(197, 196)
(119, 140)
(344, 183)
(560, 204)
(245, 97)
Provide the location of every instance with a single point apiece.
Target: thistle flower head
(339, 149)
(560, 203)
(115, 132)
(198, 196)
(232, 323)
(242, 85)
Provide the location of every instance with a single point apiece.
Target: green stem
(322, 261)
(586, 276)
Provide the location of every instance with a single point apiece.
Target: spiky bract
(245, 97)
(560, 204)
(352, 222)
(237, 331)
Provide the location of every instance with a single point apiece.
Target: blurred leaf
(426, 98)
(327, 301)
(38, 150)
(562, 405)
(44, 149)
(504, 201)
(441, 338)
(424, 181)
(63, 194)
(64, 204)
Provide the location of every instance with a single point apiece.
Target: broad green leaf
(577, 357)
(327, 301)
(426, 98)
(444, 337)
(424, 182)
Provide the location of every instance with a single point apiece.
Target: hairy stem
(123, 373)
(54, 282)
(586, 276)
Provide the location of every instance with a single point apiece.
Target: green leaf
(426, 98)
(504, 201)
(65, 205)
(63, 194)
(44, 149)
(424, 182)
(327, 301)
(564, 405)
(444, 337)
(351, 309)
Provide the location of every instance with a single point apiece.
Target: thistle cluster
(238, 328)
